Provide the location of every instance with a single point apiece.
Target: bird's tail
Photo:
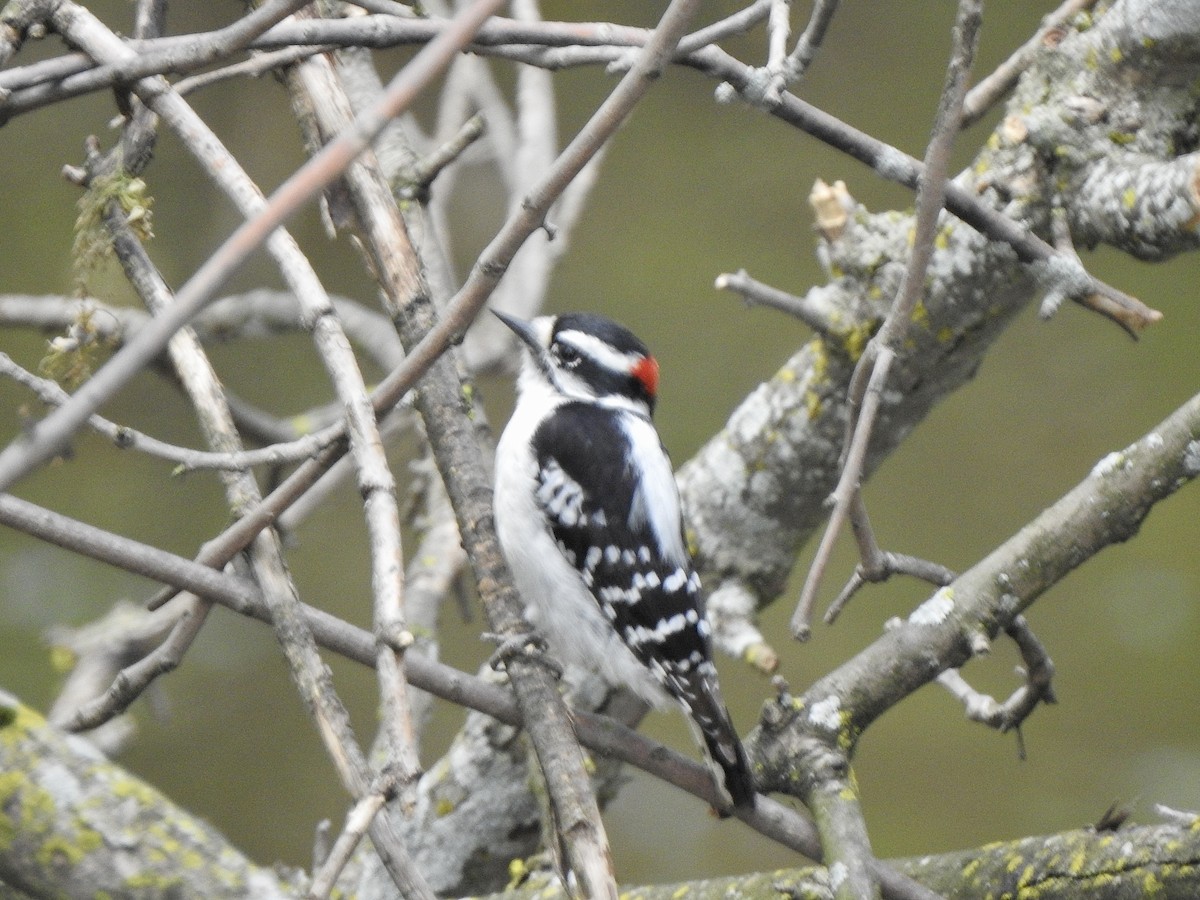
(722, 747)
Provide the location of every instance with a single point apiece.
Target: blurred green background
(690, 189)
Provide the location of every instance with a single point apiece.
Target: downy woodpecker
(588, 517)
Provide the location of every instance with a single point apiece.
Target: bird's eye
(567, 355)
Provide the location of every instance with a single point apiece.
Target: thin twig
(50, 435)
(881, 567)
(880, 351)
(988, 91)
(779, 29)
(429, 167)
(810, 41)
(257, 65)
(358, 821)
(732, 25)
(127, 438)
(600, 733)
(1038, 688)
(807, 309)
(132, 681)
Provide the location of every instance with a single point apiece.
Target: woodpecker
(588, 517)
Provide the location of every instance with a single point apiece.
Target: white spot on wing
(674, 581)
(560, 495)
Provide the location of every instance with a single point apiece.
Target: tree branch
(49, 436)
(51, 776)
(958, 622)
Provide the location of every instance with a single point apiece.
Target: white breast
(558, 603)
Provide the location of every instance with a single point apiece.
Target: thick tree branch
(757, 490)
(960, 620)
(58, 790)
(598, 733)
(869, 380)
(65, 837)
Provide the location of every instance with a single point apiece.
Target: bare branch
(894, 165)
(988, 91)
(599, 733)
(257, 65)
(358, 820)
(808, 309)
(810, 41)
(98, 689)
(50, 435)
(1009, 715)
(871, 372)
(960, 619)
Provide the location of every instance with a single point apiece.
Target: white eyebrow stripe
(600, 351)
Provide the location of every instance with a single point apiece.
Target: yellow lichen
(92, 242)
(855, 340)
(71, 357)
(59, 848)
(10, 784)
(518, 871)
(137, 790)
(62, 659)
(152, 883)
(812, 404)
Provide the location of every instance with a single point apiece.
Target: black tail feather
(724, 748)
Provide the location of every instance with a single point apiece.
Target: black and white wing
(622, 532)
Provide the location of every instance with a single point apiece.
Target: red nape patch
(645, 370)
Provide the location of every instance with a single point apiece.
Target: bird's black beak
(521, 329)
